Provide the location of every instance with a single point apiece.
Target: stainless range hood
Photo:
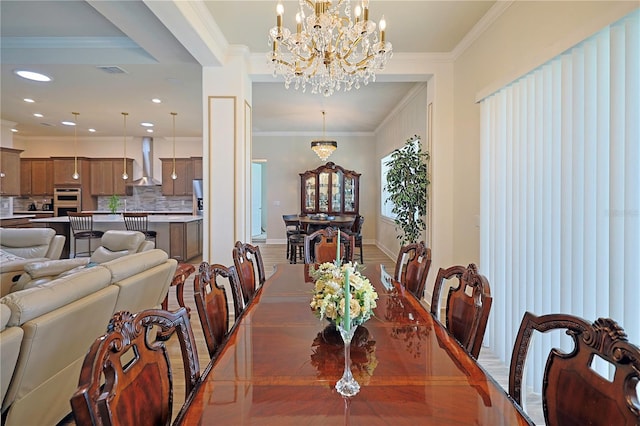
(147, 156)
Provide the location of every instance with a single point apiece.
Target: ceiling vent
(112, 69)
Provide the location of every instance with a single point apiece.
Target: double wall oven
(66, 200)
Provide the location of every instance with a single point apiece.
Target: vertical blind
(560, 186)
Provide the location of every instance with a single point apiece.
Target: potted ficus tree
(407, 182)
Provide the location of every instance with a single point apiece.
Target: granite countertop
(17, 216)
(171, 212)
(107, 218)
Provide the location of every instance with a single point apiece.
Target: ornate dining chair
(356, 231)
(136, 221)
(467, 305)
(211, 303)
(322, 246)
(82, 229)
(412, 267)
(250, 268)
(126, 379)
(573, 393)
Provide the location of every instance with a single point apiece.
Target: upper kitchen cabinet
(182, 185)
(106, 176)
(196, 163)
(64, 167)
(330, 189)
(36, 177)
(10, 171)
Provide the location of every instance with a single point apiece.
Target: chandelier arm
(355, 44)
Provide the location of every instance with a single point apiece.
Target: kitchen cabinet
(36, 177)
(182, 185)
(10, 171)
(330, 189)
(185, 240)
(106, 176)
(196, 163)
(63, 168)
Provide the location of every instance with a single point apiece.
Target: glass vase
(347, 385)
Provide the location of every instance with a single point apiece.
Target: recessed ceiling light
(30, 75)
(29, 100)
(68, 123)
(92, 130)
(149, 130)
(14, 130)
(146, 124)
(156, 101)
(37, 114)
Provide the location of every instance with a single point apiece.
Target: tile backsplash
(144, 198)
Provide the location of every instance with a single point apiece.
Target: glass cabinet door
(323, 192)
(349, 194)
(336, 192)
(310, 194)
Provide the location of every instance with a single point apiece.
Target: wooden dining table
(281, 363)
(312, 223)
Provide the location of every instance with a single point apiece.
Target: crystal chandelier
(330, 50)
(323, 147)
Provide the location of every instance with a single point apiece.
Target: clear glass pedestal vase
(347, 385)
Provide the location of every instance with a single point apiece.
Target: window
(559, 189)
(386, 206)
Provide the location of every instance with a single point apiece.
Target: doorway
(258, 213)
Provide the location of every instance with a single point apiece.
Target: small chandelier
(329, 51)
(323, 147)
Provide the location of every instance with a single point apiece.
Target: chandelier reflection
(334, 47)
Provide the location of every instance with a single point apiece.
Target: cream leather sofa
(113, 244)
(61, 318)
(19, 246)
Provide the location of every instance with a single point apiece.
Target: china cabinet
(329, 189)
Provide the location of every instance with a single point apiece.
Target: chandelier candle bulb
(347, 301)
(357, 11)
(298, 23)
(383, 26)
(279, 12)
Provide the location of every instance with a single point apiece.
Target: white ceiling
(69, 39)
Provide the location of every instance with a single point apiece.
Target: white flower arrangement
(329, 293)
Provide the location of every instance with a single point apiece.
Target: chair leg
(361, 257)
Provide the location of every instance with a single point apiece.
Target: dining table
(313, 222)
(281, 363)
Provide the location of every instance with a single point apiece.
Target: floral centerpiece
(328, 300)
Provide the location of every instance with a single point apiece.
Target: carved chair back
(211, 302)
(127, 379)
(467, 305)
(573, 393)
(248, 262)
(412, 267)
(322, 246)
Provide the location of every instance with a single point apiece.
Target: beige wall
(288, 155)
(525, 36)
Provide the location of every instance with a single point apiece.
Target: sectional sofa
(47, 328)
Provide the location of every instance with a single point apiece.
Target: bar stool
(82, 229)
(139, 222)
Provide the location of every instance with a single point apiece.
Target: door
(256, 199)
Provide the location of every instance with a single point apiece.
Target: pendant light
(75, 174)
(174, 175)
(323, 147)
(125, 176)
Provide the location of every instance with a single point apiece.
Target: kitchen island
(179, 235)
